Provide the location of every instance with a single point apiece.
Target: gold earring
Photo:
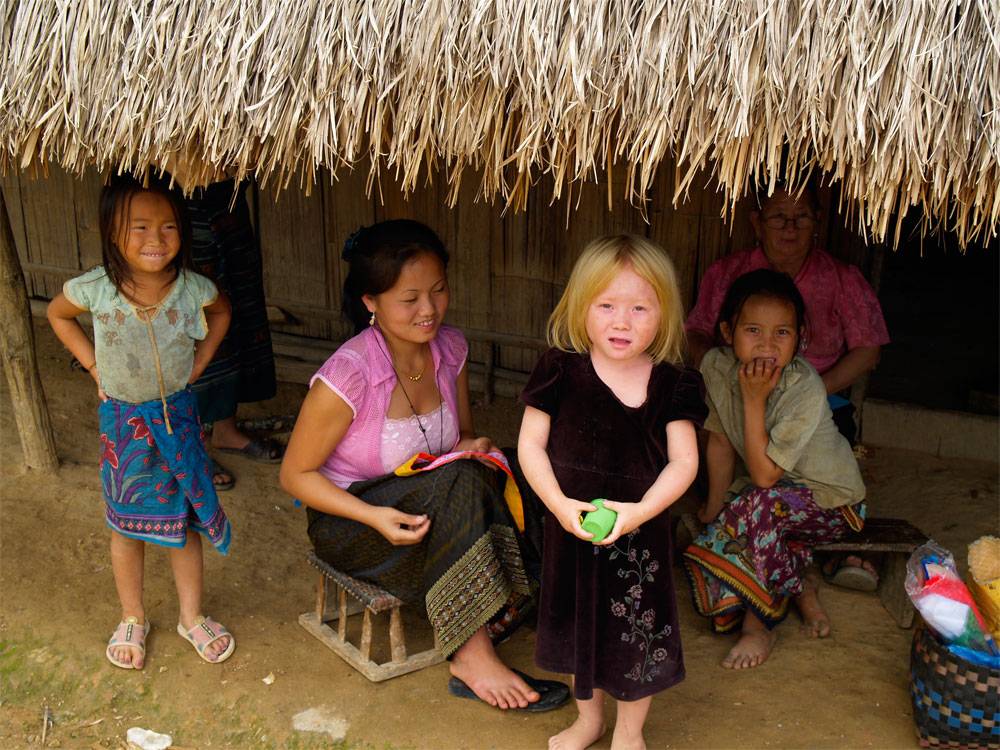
(371, 322)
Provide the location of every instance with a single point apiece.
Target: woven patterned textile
(955, 703)
(371, 595)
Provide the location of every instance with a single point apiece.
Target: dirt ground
(59, 607)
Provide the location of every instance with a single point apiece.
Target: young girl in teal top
(156, 326)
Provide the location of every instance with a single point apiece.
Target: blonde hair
(599, 263)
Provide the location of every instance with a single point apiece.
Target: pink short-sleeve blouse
(843, 311)
(361, 373)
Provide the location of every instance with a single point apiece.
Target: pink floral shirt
(361, 373)
(842, 310)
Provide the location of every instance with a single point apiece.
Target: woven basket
(955, 703)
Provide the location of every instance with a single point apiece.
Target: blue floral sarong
(158, 484)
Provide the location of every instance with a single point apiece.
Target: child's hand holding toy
(629, 516)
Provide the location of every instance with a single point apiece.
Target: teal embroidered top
(131, 350)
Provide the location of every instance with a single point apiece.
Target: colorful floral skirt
(158, 484)
(753, 556)
(467, 571)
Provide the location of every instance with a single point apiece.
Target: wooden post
(366, 636)
(342, 622)
(321, 600)
(397, 642)
(17, 346)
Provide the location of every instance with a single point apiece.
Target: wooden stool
(893, 537)
(372, 600)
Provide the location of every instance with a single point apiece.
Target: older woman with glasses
(845, 330)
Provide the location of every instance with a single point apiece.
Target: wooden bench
(372, 600)
(893, 537)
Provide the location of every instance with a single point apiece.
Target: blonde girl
(609, 413)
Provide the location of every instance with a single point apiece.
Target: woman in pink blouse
(442, 539)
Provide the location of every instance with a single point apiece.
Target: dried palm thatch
(895, 99)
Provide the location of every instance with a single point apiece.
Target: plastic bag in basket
(946, 605)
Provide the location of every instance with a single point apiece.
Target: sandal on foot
(552, 694)
(205, 632)
(852, 577)
(128, 633)
(266, 451)
(218, 469)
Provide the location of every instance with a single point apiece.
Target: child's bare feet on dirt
(632, 742)
(815, 622)
(753, 647)
(584, 732)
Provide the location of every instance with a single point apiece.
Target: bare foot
(584, 732)
(477, 665)
(815, 622)
(632, 743)
(753, 647)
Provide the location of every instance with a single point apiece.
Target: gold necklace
(416, 378)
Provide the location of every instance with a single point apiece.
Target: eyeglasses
(780, 221)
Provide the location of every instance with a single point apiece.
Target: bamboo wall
(507, 269)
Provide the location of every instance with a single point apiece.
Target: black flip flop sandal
(552, 693)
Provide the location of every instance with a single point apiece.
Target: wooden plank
(50, 226)
(86, 204)
(475, 232)
(10, 185)
(677, 231)
(294, 251)
(346, 207)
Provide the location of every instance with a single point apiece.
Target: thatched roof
(895, 99)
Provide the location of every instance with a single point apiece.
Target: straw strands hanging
(895, 99)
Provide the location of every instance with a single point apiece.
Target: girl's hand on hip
(630, 517)
(97, 379)
(758, 378)
(398, 527)
(568, 513)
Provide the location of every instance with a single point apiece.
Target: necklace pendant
(417, 378)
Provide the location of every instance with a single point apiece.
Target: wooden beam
(17, 346)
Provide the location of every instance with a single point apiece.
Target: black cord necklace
(420, 423)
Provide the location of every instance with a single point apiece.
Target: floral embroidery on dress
(642, 630)
(172, 316)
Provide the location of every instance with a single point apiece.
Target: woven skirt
(468, 569)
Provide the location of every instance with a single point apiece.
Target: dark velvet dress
(608, 615)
